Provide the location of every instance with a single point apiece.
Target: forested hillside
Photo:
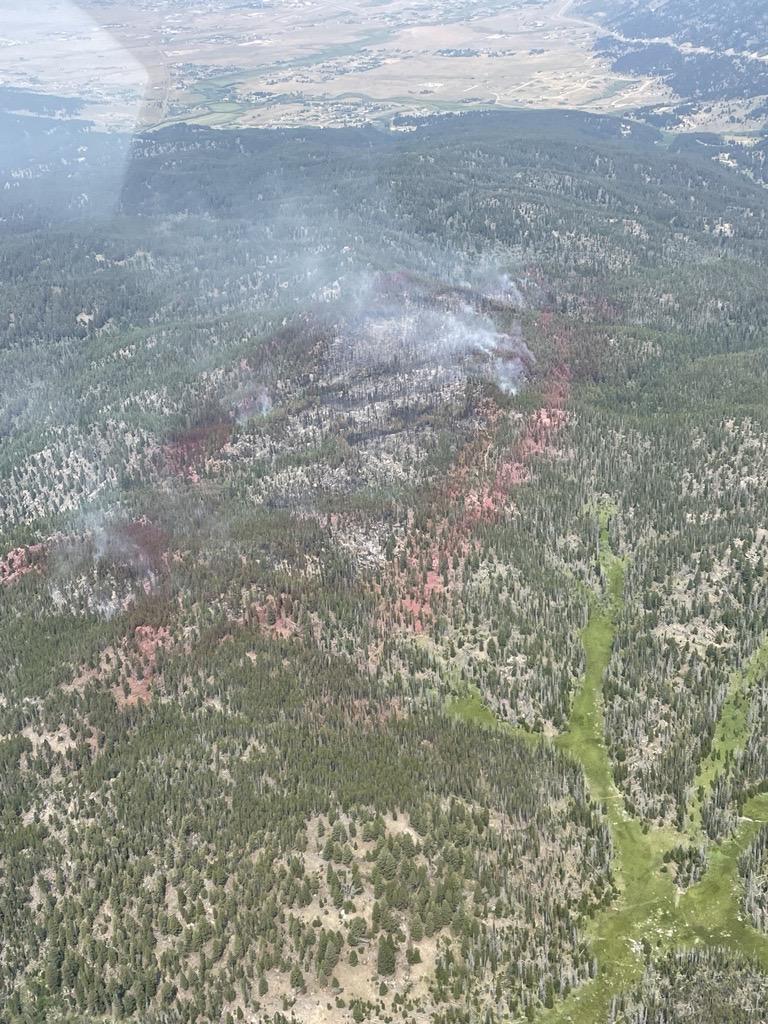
(383, 547)
(710, 53)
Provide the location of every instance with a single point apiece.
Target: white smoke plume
(397, 322)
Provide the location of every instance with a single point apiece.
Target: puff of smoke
(248, 404)
(398, 322)
(104, 563)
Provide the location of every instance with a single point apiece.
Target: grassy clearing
(645, 906)
(613, 567)
(711, 912)
(472, 709)
(730, 733)
(649, 915)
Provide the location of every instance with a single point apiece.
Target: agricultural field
(290, 64)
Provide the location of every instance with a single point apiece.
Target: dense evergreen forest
(320, 452)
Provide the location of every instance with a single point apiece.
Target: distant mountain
(706, 52)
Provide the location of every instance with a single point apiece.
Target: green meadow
(649, 915)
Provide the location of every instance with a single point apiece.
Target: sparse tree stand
(225, 689)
